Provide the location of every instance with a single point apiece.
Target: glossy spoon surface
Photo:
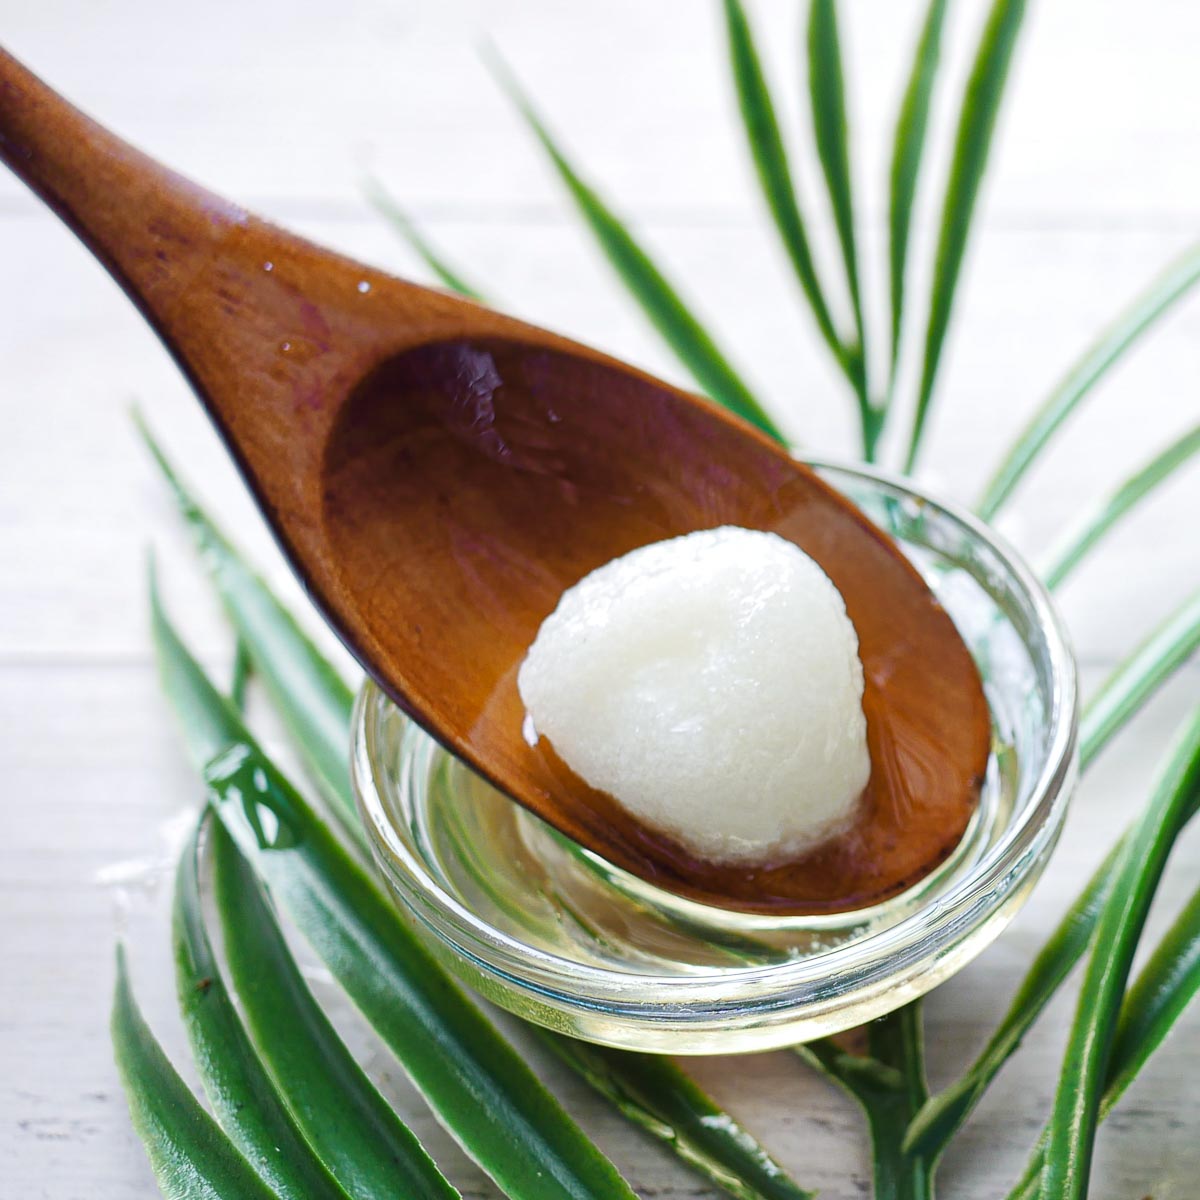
(438, 473)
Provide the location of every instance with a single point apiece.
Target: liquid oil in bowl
(520, 876)
(562, 937)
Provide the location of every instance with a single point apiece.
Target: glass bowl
(560, 937)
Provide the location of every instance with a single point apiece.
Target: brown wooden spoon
(438, 473)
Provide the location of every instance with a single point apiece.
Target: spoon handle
(147, 225)
(269, 329)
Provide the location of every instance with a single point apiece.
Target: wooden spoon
(438, 473)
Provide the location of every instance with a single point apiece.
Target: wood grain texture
(1095, 186)
(438, 474)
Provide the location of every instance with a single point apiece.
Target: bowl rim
(860, 966)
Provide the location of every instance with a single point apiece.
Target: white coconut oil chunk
(711, 684)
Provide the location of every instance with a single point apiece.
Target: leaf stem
(889, 1085)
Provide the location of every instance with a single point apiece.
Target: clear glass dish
(558, 936)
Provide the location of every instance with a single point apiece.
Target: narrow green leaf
(190, 1156)
(240, 675)
(855, 1073)
(774, 171)
(658, 299)
(827, 107)
(208, 729)
(1029, 1186)
(1123, 694)
(976, 123)
(250, 1110)
(1076, 1111)
(312, 698)
(1161, 994)
(1137, 678)
(898, 1040)
(476, 1083)
(353, 1130)
(384, 204)
(1168, 287)
(660, 1099)
(907, 149)
(889, 1085)
(1095, 524)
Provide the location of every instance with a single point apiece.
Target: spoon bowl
(565, 939)
(438, 473)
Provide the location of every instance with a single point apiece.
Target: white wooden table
(281, 105)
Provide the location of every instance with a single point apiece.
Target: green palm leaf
(1095, 524)
(908, 147)
(190, 1156)
(976, 123)
(1171, 285)
(1124, 692)
(1159, 996)
(478, 1086)
(249, 1108)
(648, 1089)
(312, 698)
(774, 171)
(889, 1085)
(827, 94)
(239, 680)
(658, 299)
(355, 1132)
(1162, 992)
(384, 204)
(654, 1094)
(1134, 881)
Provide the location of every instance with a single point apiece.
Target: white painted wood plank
(278, 100)
(79, 501)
